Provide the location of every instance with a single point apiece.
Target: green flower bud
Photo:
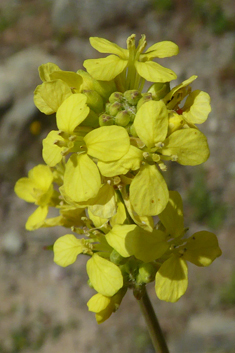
(122, 118)
(159, 90)
(94, 101)
(146, 97)
(116, 97)
(147, 272)
(106, 120)
(114, 108)
(116, 258)
(132, 96)
(133, 131)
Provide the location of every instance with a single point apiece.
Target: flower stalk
(154, 328)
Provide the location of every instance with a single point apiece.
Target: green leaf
(151, 122)
(66, 250)
(105, 277)
(171, 279)
(148, 191)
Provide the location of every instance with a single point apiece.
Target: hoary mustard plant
(104, 171)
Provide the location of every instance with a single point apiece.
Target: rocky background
(43, 307)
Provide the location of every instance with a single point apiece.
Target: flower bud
(106, 120)
(146, 97)
(132, 96)
(147, 272)
(114, 108)
(116, 258)
(159, 90)
(116, 97)
(94, 101)
(122, 118)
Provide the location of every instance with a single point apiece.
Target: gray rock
(19, 74)
(207, 331)
(12, 242)
(90, 15)
(12, 125)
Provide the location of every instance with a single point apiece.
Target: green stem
(154, 328)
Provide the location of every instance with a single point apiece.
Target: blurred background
(43, 307)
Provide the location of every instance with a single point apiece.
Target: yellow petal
(97, 221)
(154, 72)
(81, 178)
(105, 46)
(163, 49)
(105, 69)
(72, 112)
(66, 250)
(51, 153)
(105, 205)
(172, 216)
(172, 279)
(107, 143)
(179, 87)
(50, 95)
(42, 176)
(197, 107)
(144, 222)
(130, 240)
(188, 145)
(37, 218)
(151, 122)
(120, 217)
(130, 161)
(105, 277)
(202, 248)
(72, 79)
(45, 71)
(98, 303)
(24, 189)
(148, 191)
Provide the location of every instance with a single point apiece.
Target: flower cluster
(104, 169)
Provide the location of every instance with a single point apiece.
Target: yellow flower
(201, 249)
(131, 63)
(38, 189)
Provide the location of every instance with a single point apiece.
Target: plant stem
(154, 328)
